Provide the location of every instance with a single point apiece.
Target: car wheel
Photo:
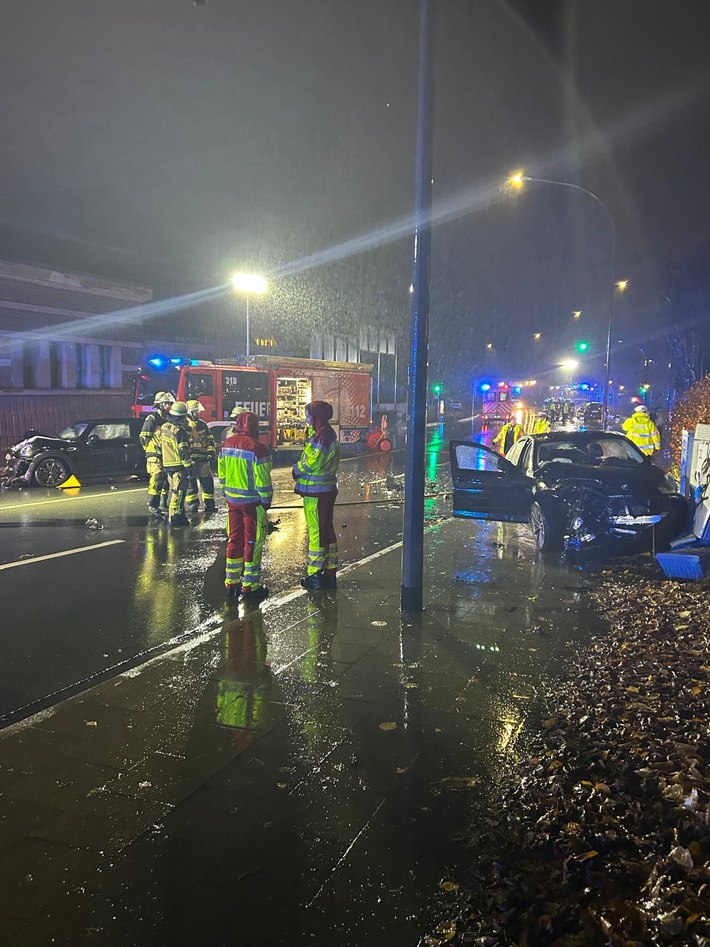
(51, 472)
(546, 526)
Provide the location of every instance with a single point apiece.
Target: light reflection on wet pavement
(300, 776)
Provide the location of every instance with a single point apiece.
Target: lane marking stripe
(57, 555)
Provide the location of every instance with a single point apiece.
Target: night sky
(166, 142)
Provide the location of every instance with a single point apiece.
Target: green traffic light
(436, 389)
(582, 345)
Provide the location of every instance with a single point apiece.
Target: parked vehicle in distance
(103, 447)
(568, 486)
(593, 416)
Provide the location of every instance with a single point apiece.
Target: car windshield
(602, 450)
(74, 431)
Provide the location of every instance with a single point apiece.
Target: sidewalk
(298, 775)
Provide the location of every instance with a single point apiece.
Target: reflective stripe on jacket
(640, 429)
(175, 442)
(150, 435)
(244, 470)
(201, 440)
(317, 469)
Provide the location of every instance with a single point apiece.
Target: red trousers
(247, 532)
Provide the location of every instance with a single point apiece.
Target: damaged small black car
(570, 487)
(105, 447)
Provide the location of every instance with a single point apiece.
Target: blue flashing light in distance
(584, 386)
(517, 390)
(485, 386)
(176, 361)
(194, 361)
(157, 361)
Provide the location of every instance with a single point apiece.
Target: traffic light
(436, 388)
(582, 346)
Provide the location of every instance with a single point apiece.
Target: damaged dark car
(571, 488)
(105, 447)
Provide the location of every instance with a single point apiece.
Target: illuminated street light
(570, 364)
(490, 345)
(577, 313)
(517, 180)
(537, 335)
(621, 284)
(249, 283)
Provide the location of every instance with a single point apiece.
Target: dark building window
(55, 365)
(80, 357)
(104, 366)
(29, 375)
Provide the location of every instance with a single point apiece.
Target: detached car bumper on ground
(104, 447)
(568, 486)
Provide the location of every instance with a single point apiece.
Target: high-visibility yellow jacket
(508, 435)
(201, 441)
(150, 435)
(317, 469)
(244, 465)
(541, 426)
(643, 432)
(175, 443)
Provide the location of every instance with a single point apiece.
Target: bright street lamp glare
(622, 284)
(570, 364)
(577, 313)
(517, 179)
(249, 283)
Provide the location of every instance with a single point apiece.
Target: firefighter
(508, 435)
(177, 462)
(316, 481)
(202, 451)
(642, 431)
(542, 424)
(244, 468)
(150, 440)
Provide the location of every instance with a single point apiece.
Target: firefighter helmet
(194, 407)
(640, 409)
(178, 410)
(163, 397)
(237, 410)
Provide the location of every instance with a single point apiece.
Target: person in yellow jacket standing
(316, 481)
(150, 441)
(177, 462)
(202, 451)
(542, 424)
(508, 435)
(640, 429)
(244, 469)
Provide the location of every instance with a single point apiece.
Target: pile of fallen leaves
(603, 833)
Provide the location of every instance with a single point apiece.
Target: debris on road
(602, 834)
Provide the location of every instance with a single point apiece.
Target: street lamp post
(517, 180)
(249, 283)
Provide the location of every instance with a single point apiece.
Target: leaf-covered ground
(603, 832)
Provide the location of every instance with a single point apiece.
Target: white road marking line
(57, 555)
(66, 499)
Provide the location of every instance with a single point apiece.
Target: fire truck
(276, 389)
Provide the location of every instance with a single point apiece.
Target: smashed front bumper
(16, 472)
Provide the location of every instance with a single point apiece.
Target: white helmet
(194, 407)
(640, 409)
(237, 410)
(163, 397)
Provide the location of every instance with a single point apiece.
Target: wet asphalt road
(79, 604)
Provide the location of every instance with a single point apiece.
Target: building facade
(69, 346)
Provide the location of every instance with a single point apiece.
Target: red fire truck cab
(276, 390)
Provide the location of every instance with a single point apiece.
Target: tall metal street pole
(412, 597)
(247, 325)
(612, 284)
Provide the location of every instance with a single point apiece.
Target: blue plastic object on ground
(691, 562)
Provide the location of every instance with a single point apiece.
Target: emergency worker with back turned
(177, 462)
(202, 451)
(316, 481)
(508, 435)
(150, 438)
(244, 468)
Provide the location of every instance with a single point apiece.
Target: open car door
(487, 486)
